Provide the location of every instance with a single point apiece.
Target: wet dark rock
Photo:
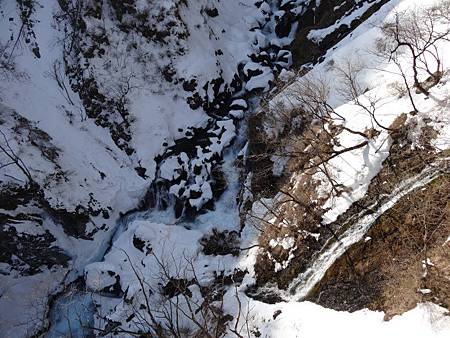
(26, 252)
(217, 97)
(114, 290)
(236, 83)
(322, 16)
(141, 172)
(194, 101)
(284, 24)
(276, 314)
(266, 297)
(252, 73)
(73, 223)
(219, 182)
(179, 207)
(212, 12)
(190, 85)
(177, 286)
(138, 243)
(221, 243)
(12, 196)
(263, 58)
(168, 73)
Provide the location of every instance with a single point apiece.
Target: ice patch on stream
(73, 311)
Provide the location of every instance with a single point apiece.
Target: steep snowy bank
(146, 113)
(92, 129)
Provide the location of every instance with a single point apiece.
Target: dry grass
(387, 272)
(384, 273)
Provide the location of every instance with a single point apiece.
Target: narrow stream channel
(72, 311)
(303, 284)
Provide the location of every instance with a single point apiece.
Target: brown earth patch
(299, 213)
(387, 270)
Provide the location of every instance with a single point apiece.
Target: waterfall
(305, 282)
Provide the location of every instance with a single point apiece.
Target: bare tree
(7, 65)
(12, 159)
(417, 32)
(352, 90)
(180, 307)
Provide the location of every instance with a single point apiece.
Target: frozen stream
(71, 314)
(72, 311)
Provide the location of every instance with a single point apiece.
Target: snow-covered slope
(101, 98)
(125, 123)
(352, 171)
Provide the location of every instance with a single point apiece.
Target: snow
(159, 110)
(98, 276)
(240, 103)
(23, 301)
(285, 242)
(319, 34)
(237, 114)
(261, 81)
(169, 167)
(308, 320)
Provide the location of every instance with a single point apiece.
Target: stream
(333, 249)
(72, 310)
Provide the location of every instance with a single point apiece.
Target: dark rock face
(115, 289)
(197, 155)
(326, 14)
(25, 242)
(212, 12)
(26, 246)
(177, 286)
(142, 245)
(110, 108)
(74, 223)
(284, 24)
(189, 174)
(28, 219)
(28, 253)
(221, 243)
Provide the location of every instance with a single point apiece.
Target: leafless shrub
(180, 307)
(10, 158)
(416, 33)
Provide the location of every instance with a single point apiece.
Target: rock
(221, 243)
(27, 247)
(212, 12)
(190, 85)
